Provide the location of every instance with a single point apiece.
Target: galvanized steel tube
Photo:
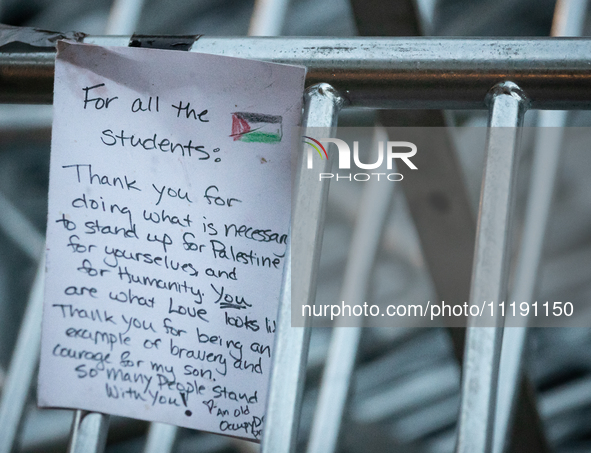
(449, 73)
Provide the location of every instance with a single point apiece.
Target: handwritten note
(169, 208)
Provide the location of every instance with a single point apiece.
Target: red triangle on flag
(239, 126)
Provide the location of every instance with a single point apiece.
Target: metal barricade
(383, 73)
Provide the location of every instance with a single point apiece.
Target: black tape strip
(182, 42)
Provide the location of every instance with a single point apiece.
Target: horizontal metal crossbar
(451, 73)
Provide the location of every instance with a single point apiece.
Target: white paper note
(169, 207)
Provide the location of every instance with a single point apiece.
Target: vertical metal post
(268, 17)
(507, 105)
(25, 356)
(541, 188)
(569, 19)
(321, 106)
(20, 230)
(15, 391)
(124, 17)
(161, 438)
(344, 343)
(89, 432)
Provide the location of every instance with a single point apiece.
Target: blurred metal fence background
(405, 386)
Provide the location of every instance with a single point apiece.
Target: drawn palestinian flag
(256, 127)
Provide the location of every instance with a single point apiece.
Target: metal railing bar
(321, 107)
(378, 72)
(268, 17)
(89, 432)
(490, 272)
(338, 371)
(25, 357)
(18, 228)
(162, 438)
(124, 17)
(569, 19)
